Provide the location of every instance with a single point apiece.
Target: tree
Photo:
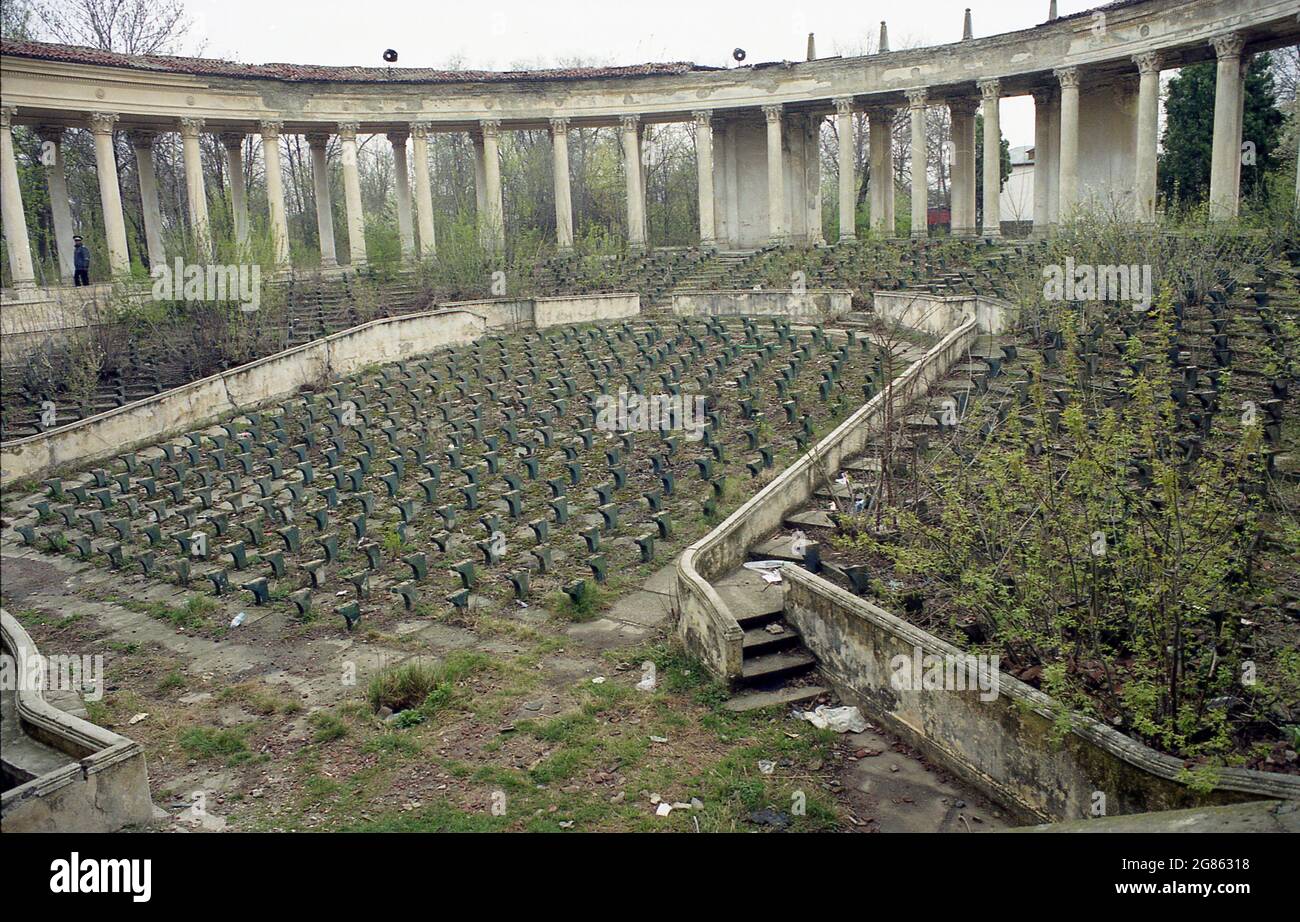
(1187, 145)
(128, 26)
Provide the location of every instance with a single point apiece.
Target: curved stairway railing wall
(708, 630)
(104, 784)
(1005, 743)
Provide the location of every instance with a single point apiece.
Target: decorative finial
(884, 37)
(966, 32)
(812, 47)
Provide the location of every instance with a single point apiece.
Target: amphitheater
(609, 552)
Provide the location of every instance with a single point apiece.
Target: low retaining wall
(707, 629)
(1005, 745)
(31, 318)
(555, 311)
(207, 400)
(938, 314)
(500, 313)
(816, 304)
(103, 787)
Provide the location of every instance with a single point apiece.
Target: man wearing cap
(80, 263)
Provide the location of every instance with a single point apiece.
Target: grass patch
(327, 727)
(425, 685)
(584, 607)
(227, 743)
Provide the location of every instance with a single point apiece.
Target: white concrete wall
(814, 304)
(937, 314)
(1108, 144)
(549, 312)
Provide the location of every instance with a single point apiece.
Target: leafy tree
(1189, 131)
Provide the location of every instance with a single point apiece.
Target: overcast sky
(500, 34)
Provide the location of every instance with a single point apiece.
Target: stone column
(916, 100)
(704, 176)
(495, 215)
(320, 174)
(1069, 149)
(110, 196)
(776, 221)
(632, 174)
(11, 199)
(352, 193)
(991, 91)
(563, 197)
(733, 185)
(142, 144)
(275, 192)
(848, 182)
(1226, 153)
(812, 189)
(962, 112)
(1042, 161)
(1053, 160)
(879, 125)
(423, 193)
(56, 182)
(195, 190)
(480, 200)
(402, 184)
(1148, 126)
(234, 145)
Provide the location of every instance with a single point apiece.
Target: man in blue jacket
(80, 263)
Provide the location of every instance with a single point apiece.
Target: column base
(328, 262)
(848, 237)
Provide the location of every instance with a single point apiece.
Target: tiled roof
(213, 67)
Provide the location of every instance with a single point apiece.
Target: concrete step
(779, 548)
(775, 665)
(759, 640)
(756, 700)
(809, 518)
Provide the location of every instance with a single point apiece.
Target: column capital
(1148, 62)
(141, 139)
(270, 130)
(560, 125)
(102, 122)
(51, 133)
(232, 140)
(773, 113)
(629, 122)
(1068, 76)
(916, 99)
(990, 89)
(491, 127)
(1228, 45)
(7, 114)
(963, 105)
(348, 131)
(398, 136)
(317, 139)
(879, 113)
(703, 118)
(843, 105)
(1043, 95)
(421, 129)
(190, 127)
